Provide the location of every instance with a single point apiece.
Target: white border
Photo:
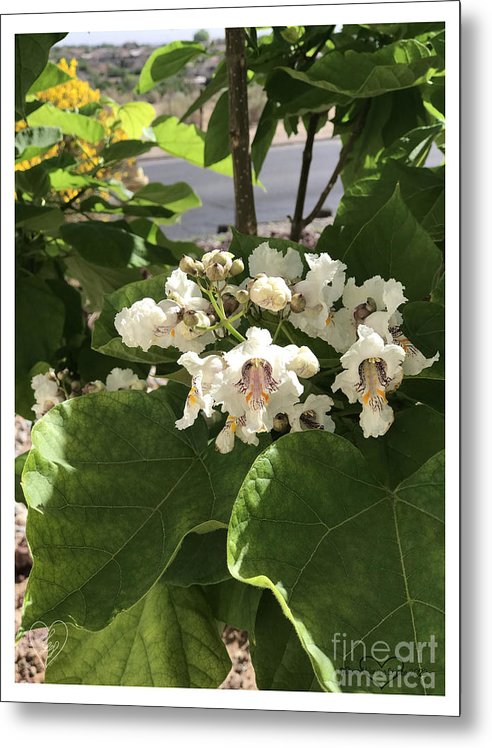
(215, 17)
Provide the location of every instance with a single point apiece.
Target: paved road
(279, 175)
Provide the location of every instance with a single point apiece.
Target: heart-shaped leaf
(347, 559)
(168, 639)
(113, 488)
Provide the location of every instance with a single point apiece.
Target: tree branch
(307, 155)
(344, 154)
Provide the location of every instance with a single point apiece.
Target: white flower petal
(272, 262)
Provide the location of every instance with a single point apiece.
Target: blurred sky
(75, 38)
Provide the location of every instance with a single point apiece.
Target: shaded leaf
(110, 506)
(168, 639)
(345, 558)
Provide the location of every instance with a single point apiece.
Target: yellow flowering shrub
(73, 95)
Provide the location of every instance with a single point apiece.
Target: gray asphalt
(279, 176)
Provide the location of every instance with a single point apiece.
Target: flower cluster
(258, 383)
(53, 387)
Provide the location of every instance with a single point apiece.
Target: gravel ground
(31, 649)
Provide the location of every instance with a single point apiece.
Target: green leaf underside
(202, 559)
(234, 603)
(280, 662)
(168, 639)
(343, 555)
(391, 244)
(113, 488)
(363, 74)
(31, 56)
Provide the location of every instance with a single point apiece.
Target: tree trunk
(239, 131)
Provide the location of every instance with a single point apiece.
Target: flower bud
(298, 303)
(242, 296)
(91, 387)
(199, 319)
(281, 423)
(230, 304)
(237, 267)
(270, 293)
(304, 363)
(188, 265)
(215, 271)
(190, 318)
(218, 257)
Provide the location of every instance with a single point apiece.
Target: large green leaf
(423, 323)
(31, 56)
(70, 123)
(113, 488)
(391, 244)
(37, 217)
(352, 74)
(134, 117)
(177, 197)
(110, 246)
(19, 467)
(215, 84)
(168, 639)
(421, 189)
(348, 560)
(123, 149)
(39, 138)
(202, 559)
(280, 662)
(234, 604)
(217, 144)
(96, 281)
(265, 132)
(186, 141)
(40, 319)
(165, 62)
(402, 450)
(105, 338)
(51, 76)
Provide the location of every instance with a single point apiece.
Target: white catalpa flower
(146, 323)
(322, 286)
(312, 414)
(303, 362)
(257, 383)
(372, 304)
(224, 442)
(206, 377)
(124, 379)
(185, 292)
(370, 366)
(270, 293)
(272, 262)
(415, 361)
(47, 394)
